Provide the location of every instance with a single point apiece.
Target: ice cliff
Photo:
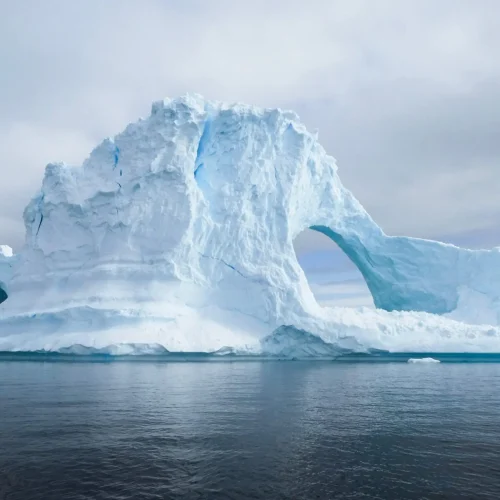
(178, 233)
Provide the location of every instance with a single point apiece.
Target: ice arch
(393, 276)
(378, 279)
(418, 275)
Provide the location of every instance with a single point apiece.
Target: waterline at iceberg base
(177, 235)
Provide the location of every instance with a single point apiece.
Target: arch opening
(333, 277)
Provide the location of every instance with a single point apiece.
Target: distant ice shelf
(178, 234)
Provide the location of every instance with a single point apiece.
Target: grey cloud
(426, 166)
(403, 92)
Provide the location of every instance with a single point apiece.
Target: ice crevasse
(177, 234)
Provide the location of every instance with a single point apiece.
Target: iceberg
(423, 361)
(178, 233)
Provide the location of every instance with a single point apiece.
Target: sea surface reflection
(249, 430)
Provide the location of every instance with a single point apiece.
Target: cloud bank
(404, 93)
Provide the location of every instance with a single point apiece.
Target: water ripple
(292, 430)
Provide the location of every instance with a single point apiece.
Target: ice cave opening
(333, 278)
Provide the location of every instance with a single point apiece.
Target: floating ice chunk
(423, 360)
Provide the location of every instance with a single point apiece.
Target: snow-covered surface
(5, 251)
(179, 232)
(423, 361)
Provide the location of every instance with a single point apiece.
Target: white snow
(5, 251)
(423, 360)
(178, 233)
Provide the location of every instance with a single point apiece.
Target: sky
(404, 94)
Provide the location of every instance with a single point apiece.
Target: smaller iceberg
(423, 361)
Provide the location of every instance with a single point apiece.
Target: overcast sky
(405, 93)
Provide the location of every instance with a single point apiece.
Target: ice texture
(178, 232)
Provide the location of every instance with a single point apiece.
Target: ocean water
(249, 429)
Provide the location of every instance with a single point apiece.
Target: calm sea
(237, 430)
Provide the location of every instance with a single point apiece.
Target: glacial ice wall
(179, 232)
